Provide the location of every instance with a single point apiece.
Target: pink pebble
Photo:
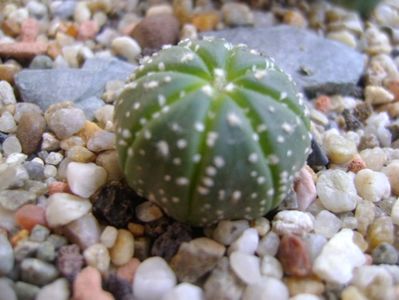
(128, 270)
(30, 215)
(87, 286)
(29, 30)
(305, 188)
(58, 187)
(87, 30)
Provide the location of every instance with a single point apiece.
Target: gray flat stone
(83, 86)
(317, 64)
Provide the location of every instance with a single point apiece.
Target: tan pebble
(356, 164)
(344, 37)
(391, 108)
(29, 30)
(22, 50)
(136, 229)
(206, 21)
(351, 293)
(97, 256)
(376, 95)
(80, 154)
(108, 236)
(53, 49)
(392, 171)
(381, 231)
(19, 236)
(128, 270)
(109, 161)
(72, 141)
(365, 214)
(183, 10)
(123, 249)
(88, 130)
(87, 286)
(159, 10)
(339, 149)
(11, 28)
(304, 285)
(359, 240)
(8, 72)
(294, 18)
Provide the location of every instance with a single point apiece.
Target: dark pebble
(351, 122)
(362, 111)
(142, 248)
(318, 157)
(121, 289)
(69, 261)
(35, 170)
(368, 142)
(155, 31)
(167, 244)
(115, 205)
(156, 228)
(385, 254)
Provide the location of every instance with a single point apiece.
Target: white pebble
(64, 208)
(54, 158)
(374, 158)
(101, 140)
(50, 171)
(126, 47)
(337, 191)
(246, 243)
(153, 279)
(246, 267)
(305, 297)
(11, 145)
(66, 121)
(7, 122)
(269, 244)
(227, 231)
(184, 291)
(392, 171)
(292, 222)
(339, 149)
(98, 257)
(265, 289)
(108, 236)
(372, 186)
(377, 124)
(338, 258)
(57, 290)
(270, 266)
(82, 12)
(327, 224)
(395, 212)
(85, 178)
(376, 95)
(6, 93)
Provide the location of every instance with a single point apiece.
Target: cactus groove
(211, 131)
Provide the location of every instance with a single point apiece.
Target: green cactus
(211, 131)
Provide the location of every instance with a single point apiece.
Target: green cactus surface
(211, 131)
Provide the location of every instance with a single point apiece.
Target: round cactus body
(211, 131)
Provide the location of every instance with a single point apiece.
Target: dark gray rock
(82, 86)
(318, 65)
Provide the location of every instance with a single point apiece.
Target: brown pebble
(323, 103)
(10, 28)
(294, 256)
(8, 71)
(155, 31)
(29, 30)
(22, 50)
(393, 87)
(136, 229)
(29, 132)
(304, 285)
(294, 18)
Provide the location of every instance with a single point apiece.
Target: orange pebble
(128, 270)
(323, 103)
(58, 187)
(356, 164)
(206, 21)
(393, 87)
(30, 215)
(19, 236)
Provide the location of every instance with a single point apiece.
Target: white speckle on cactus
(130, 152)
(203, 191)
(208, 181)
(176, 161)
(196, 158)
(196, 48)
(236, 196)
(219, 72)
(187, 57)
(142, 152)
(176, 127)
(161, 100)
(167, 79)
(131, 85)
(254, 173)
(207, 89)
(260, 74)
(126, 134)
(164, 200)
(127, 114)
(122, 143)
(233, 119)
(182, 181)
(147, 134)
(142, 121)
(175, 200)
(273, 159)
(280, 139)
(261, 128)
(248, 209)
(255, 137)
(199, 127)
(167, 177)
(261, 180)
(161, 66)
(182, 94)
(219, 161)
(136, 105)
(229, 87)
(221, 195)
(253, 158)
(211, 171)
(254, 195)
(150, 84)
(165, 109)
(270, 192)
(163, 148)
(283, 95)
(287, 127)
(181, 144)
(211, 138)
(272, 109)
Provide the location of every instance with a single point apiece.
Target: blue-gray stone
(37, 272)
(26, 291)
(82, 86)
(64, 9)
(6, 290)
(6, 255)
(317, 65)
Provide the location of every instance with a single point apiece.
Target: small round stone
(269, 244)
(339, 149)
(37, 272)
(7, 122)
(184, 291)
(292, 222)
(246, 267)
(247, 242)
(123, 249)
(266, 288)
(271, 266)
(6, 93)
(148, 212)
(372, 186)
(126, 47)
(6, 255)
(381, 231)
(228, 231)
(237, 14)
(58, 289)
(101, 140)
(385, 254)
(153, 279)
(108, 236)
(392, 171)
(327, 224)
(98, 257)
(11, 145)
(65, 122)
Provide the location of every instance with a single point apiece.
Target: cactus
(211, 131)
